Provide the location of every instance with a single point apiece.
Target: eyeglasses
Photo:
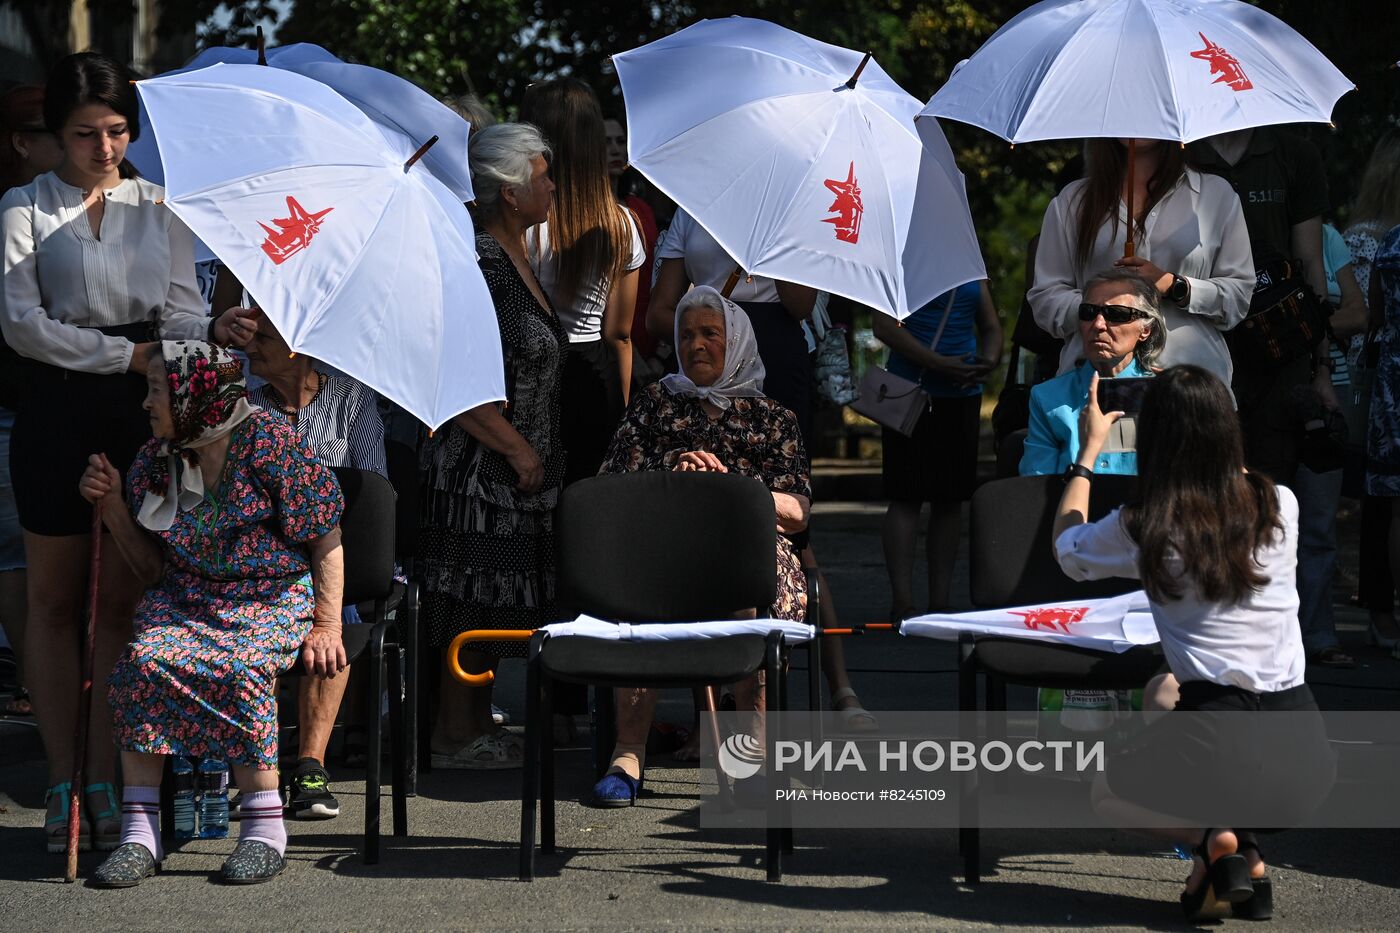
(1112, 314)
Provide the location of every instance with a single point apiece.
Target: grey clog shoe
(127, 866)
(253, 862)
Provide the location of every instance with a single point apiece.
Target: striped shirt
(341, 424)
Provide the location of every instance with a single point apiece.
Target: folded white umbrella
(588, 626)
(802, 170)
(1114, 624)
(393, 103)
(359, 259)
(1151, 69)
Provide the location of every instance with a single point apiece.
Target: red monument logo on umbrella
(1223, 64)
(294, 233)
(1051, 617)
(847, 207)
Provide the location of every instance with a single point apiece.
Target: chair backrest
(367, 534)
(402, 464)
(1009, 453)
(666, 547)
(1009, 541)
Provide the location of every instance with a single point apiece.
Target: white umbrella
(801, 159)
(1114, 624)
(358, 257)
(393, 103)
(1144, 69)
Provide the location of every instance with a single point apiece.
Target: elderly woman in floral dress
(233, 524)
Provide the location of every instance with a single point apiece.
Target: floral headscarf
(743, 369)
(208, 399)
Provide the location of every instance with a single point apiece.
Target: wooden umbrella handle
(1128, 250)
(70, 872)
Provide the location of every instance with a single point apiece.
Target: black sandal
(1260, 904)
(1226, 883)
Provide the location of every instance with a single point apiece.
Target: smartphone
(1123, 395)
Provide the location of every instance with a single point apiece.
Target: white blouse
(61, 282)
(1255, 644)
(583, 319)
(1197, 231)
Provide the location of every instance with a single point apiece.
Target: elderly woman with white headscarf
(712, 416)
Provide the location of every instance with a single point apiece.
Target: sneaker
(310, 797)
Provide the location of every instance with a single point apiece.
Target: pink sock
(141, 818)
(260, 818)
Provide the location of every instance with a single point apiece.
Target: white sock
(141, 818)
(260, 818)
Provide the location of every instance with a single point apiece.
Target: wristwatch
(1075, 469)
(1179, 291)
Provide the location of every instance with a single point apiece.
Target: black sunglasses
(1112, 314)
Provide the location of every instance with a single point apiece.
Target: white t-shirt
(583, 320)
(1255, 644)
(707, 263)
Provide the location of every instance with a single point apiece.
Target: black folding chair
(1012, 564)
(367, 536)
(402, 463)
(653, 547)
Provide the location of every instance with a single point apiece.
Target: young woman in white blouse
(1190, 242)
(1216, 550)
(95, 270)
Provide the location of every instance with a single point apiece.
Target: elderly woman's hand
(699, 461)
(527, 466)
(1094, 423)
(323, 652)
(101, 484)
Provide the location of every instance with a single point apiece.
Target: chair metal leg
(604, 728)
(398, 742)
(529, 793)
(546, 693)
(773, 833)
(374, 749)
(969, 841)
(408, 637)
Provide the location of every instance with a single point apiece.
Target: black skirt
(1230, 757)
(787, 365)
(939, 463)
(590, 407)
(63, 418)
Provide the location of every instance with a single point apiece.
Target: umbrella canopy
(393, 103)
(1150, 69)
(358, 259)
(799, 169)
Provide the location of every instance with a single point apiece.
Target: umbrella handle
(1128, 250)
(485, 678)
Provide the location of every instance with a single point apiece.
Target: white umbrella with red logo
(1179, 70)
(357, 253)
(801, 159)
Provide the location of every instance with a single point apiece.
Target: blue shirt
(1052, 443)
(959, 339)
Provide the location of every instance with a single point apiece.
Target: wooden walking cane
(70, 873)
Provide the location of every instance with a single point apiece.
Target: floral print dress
(1383, 440)
(754, 437)
(233, 605)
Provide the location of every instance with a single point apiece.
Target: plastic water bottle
(213, 799)
(185, 817)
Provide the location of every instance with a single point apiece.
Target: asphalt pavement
(653, 867)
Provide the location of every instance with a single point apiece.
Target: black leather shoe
(127, 866)
(253, 862)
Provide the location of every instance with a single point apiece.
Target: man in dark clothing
(1282, 186)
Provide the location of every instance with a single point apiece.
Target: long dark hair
(587, 229)
(1194, 499)
(89, 78)
(1105, 167)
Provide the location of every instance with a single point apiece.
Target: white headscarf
(743, 369)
